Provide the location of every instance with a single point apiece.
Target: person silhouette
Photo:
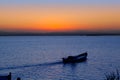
(9, 76)
(18, 78)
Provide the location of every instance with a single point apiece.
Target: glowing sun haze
(56, 17)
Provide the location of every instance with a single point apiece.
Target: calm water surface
(39, 57)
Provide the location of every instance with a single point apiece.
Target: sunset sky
(60, 15)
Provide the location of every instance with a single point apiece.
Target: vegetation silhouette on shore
(115, 75)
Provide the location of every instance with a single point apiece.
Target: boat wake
(32, 65)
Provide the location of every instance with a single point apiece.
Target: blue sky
(82, 2)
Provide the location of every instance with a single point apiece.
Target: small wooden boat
(72, 59)
(8, 77)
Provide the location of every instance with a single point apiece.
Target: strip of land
(58, 34)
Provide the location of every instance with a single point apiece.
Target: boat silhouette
(73, 59)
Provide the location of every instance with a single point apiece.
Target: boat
(7, 77)
(73, 59)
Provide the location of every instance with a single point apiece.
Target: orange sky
(59, 18)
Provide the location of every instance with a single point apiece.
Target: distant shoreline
(77, 33)
(59, 34)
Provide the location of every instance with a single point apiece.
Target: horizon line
(58, 33)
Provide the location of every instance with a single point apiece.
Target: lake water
(39, 57)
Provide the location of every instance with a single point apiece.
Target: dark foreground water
(39, 57)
